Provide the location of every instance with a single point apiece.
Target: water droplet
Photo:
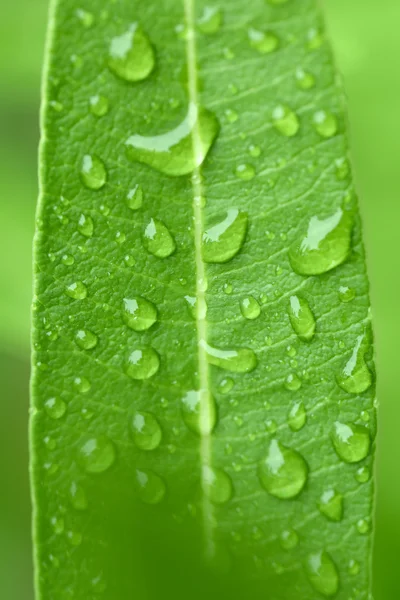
(222, 241)
(129, 260)
(67, 259)
(342, 168)
(363, 474)
(77, 496)
(93, 172)
(74, 538)
(86, 339)
(353, 567)
(331, 505)
(131, 56)
(231, 115)
(172, 153)
(143, 364)
(134, 198)
(263, 41)
(292, 382)
(104, 209)
(150, 487)
(146, 431)
(199, 411)
(271, 425)
(283, 472)
(285, 120)
(314, 39)
(242, 360)
(58, 524)
(55, 408)
(99, 105)
(217, 485)
(254, 150)
(351, 442)
(85, 17)
(120, 237)
(325, 245)
(82, 384)
(228, 288)
(289, 539)
(363, 526)
(250, 308)
(85, 226)
(158, 240)
(356, 377)
(211, 20)
(245, 171)
(226, 385)
(138, 313)
(57, 106)
(304, 79)
(96, 454)
(322, 573)
(325, 123)
(346, 294)
(297, 416)
(228, 53)
(76, 290)
(301, 318)
(50, 443)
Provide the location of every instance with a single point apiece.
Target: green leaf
(203, 416)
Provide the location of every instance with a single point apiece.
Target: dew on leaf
(331, 505)
(222, 241)
(250, 308)
(93, 172)
(199, 411)
(86, 339)
(146, 431)
(85, 226)
(150, 488)
(57, 524)
(85, 17)
(325, 123)
(143, 363)
(231, 115)
(245, 171)
(292, 382)
(226, 385)
(158, 240)
(56, 106)
(76, 290)
(304, 79)
(363, 474)
(96, 454)
(228, 289)
(353, 567)
(342, 168)
(67, 260)
(211, 20)
(228, 53)
(134, 198)
(254, 150)
(241, 360)
(346, 294)
(356, 377)
(131, 56)
(351, 442)
(301, 318)
(289, 539)
(82, 384)
(217, 485)
(138, 313)
(77, 496)
(315, 39)
(263, 41)
(283, 472)
(322, 573)
(297, 416)
(129, 260)
(55, 408)
(285, 120)
(74, 538)
(99, 105)
(363, 526)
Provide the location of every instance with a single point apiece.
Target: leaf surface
(203, 415)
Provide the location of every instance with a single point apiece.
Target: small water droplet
(55, 408)
(146, 431)
(217, 485)
(74, 538)
(58, 525)
(172, 153)
(228, 53)
(322, 573)
(222, 241)
(56, 106)
(93, 172)
(315, 39)
(346, 294)
(226, 385)
(351, 442)
(289, 539)
(292, 382)
(158, 240)
(82, 384)
(297, 416)
(76, 290)
(355, 377)
(283, 472)
(50, 443)
(138, 313)
(150, 488)
(134, 198)
(304, 79)
(250, 308)
(131, 56)
(331, 505)
(263, 41)
(353, 567)
(254, 150)
(363, 474)
(85, 17)
(77, 496)
(285, 120)
(199, 411)
(363, 526)
(211, 20)
(277, 2)
(242, 360)
(67, 259)
(245, 171)
(301, 318)
(231, 115)
(325, 123)
(99, 105)
(271, 425)
(342, 168)
(96, 454)
(86, 339)
(104, 209)
(129, 260)
(228, 288)
(120, 237)
(325, 245)
(85, 226)
(143, 364)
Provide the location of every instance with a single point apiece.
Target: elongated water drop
(355, 377)
(250, 308)
(86, 339)
(222, 241)
(55, 408)
(211, 20)
(242, 360)
(76, 290)
(172, 152)
(158, 240)
(85, 226)
(138, 313)
(263, 41)
(96, 454)
(285, 120)
(217, 485)
(146, 431)
(331, 505)
(199, 411)
(93, 172)
(150, 487)
(325, 245)
(131, 56)
(143, 363)
(297, 416)
(322, 573)
(301, 318)
(351, 442)
(283, 472)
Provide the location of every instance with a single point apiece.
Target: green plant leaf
(203, 417)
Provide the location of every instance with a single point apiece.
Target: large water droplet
(263, 41)
(242, 360)
(134, 198)
(86, 339)
(146, 431)
(98, 106)
(211, 20)
(143, 364)
(351, 442)
(331, 505)
(301, 318)
(325, 245)
(138, 313)
(96, 454)
(217, 485)
(93, 172)
(285, 120)
(150, 487)
(222, 241)
(297, 416)
(356, 377)
(199, 411)
(131, 56)
(325, 123)
(322, 573)
(283, 472)
(250, 308)
(55, 408)
(173, 152)
(77, 496)
(76, 290)
(158, 239)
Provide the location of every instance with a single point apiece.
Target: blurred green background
(365, 35)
